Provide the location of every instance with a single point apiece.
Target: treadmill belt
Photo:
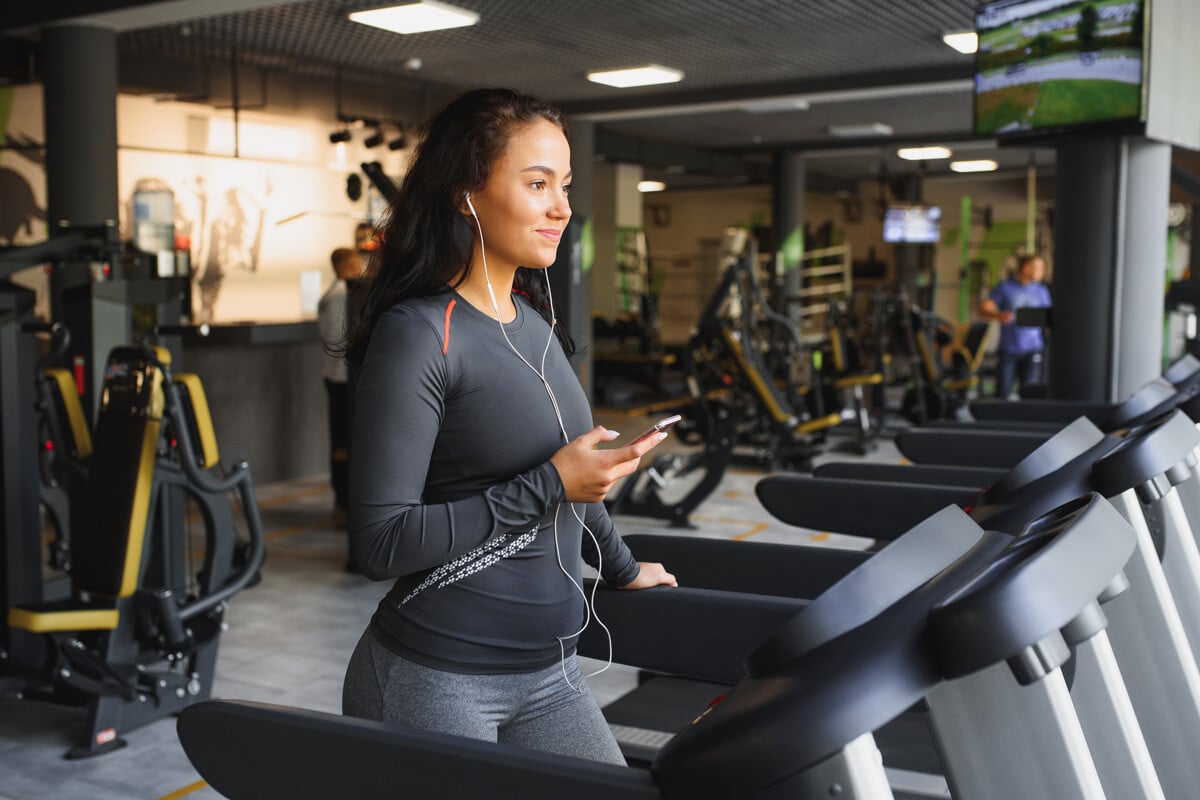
(645, 718)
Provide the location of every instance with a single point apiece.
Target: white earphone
(541, 374)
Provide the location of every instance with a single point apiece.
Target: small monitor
(912, 224)
(1049, 65)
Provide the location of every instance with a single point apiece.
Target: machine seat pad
(199, 418)
(68, 400)
(62, 615)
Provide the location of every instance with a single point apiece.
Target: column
(79, 65)
(1110, 243)
(787, 219)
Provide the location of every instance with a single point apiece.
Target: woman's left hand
(651, 574)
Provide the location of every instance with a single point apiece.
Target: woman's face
(523, 206)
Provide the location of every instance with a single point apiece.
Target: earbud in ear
(467, 199)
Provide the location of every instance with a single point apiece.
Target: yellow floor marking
(819, 537)
(733, 495)
(283, 534)
(758, 528)
(185, 791)
(283, 498)
(904, 460)
(275, 536)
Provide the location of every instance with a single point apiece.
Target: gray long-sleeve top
(454, 496)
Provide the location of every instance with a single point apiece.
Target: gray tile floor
(290, 637)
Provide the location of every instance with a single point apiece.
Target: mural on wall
(19, 209)
(232, 242)
(251, 228)
(22, 167)
(220, 235)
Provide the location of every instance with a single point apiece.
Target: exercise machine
(798, 725)
(136, 638)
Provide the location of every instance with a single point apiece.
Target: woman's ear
(464, 206)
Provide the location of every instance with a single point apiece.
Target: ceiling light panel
(965, 42)
(429, 15)
(649, 75)
(866, 130)
(978, 165)
(923, 153)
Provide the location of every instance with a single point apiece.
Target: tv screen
(912, 224)
(1048, 64)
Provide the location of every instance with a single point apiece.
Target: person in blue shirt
(1021, 346)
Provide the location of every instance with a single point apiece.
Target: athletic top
(453, 493)
(1011, 295)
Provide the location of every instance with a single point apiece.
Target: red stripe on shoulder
(446, 328)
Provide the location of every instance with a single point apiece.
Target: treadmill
(799, 724)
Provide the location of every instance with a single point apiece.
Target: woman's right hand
(587, 473)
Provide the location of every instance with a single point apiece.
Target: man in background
(331, 323)
(1021, 346)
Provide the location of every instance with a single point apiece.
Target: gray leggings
(537, 710)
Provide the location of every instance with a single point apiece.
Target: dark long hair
(425, 241)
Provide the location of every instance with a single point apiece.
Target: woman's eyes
(540, 184)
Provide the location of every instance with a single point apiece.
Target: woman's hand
(587, 473)
(652, 573)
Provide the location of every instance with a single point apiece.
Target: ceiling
(746, 63)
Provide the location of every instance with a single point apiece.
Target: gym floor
(291, 635)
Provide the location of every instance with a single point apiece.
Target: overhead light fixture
(865, 130)
(429, 15)
(374, 140)
(923, 153)
(339, 136)
(400, 142)
(979, 165)
(651, 186)
(774, 105)
(965, 42)
(649, 75)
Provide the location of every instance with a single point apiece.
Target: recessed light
(428, 15)
(651, 186)
(965, 42)
(648, 75)
(864, 130)
(923, 153)
(979, 165)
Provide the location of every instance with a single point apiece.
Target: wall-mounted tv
(1046, 65)
(912, 224)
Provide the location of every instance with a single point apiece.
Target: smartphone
(664, 424)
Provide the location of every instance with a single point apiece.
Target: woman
(476, 482)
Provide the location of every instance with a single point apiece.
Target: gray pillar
(1110, 243)
(79, 66)
(787, 220)
(570, 276)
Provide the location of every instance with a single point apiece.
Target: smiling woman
(476, 484)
